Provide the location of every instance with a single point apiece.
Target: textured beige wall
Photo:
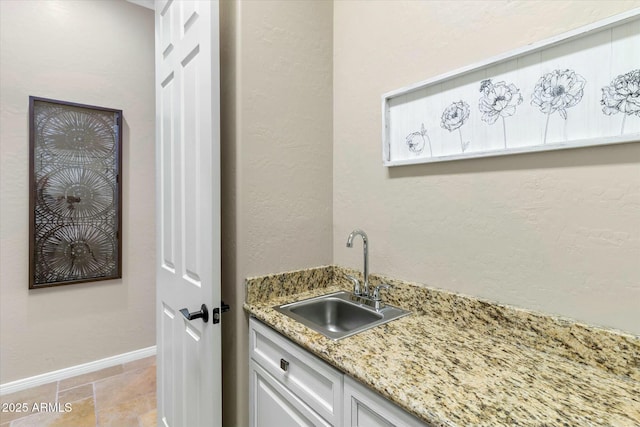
(96, 53)
(276, 69)
(557, 232)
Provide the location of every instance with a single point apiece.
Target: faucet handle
(356, 284)
(377, 289)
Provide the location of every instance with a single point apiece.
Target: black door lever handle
(202, 314)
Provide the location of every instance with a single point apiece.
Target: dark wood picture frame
(75, 193)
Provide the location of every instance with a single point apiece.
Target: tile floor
(119, 396)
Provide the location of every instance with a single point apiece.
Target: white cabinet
(291, 387)
(285, 377)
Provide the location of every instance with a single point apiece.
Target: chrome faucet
(365, 245)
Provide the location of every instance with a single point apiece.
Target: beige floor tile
(140, 363)
(150, 419)
(120, 396)
(125, 387)
(126, 413)
(76, 393)
(90, 377)
(41, 394)
(82, 414)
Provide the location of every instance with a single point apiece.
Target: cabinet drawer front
(312, 380)
(272, 403)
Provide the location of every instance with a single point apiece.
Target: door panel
(165, 361)
(165, 170)
(188, 212)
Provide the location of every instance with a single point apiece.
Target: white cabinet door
(365, 408)
(272, 404)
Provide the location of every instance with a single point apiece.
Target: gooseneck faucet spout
(365, 245)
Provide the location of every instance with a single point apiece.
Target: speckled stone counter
(459, 361)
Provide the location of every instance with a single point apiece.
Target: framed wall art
(578, 89)
(75, 204)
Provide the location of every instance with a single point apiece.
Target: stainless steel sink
(340, 314)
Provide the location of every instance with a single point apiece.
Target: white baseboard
(72, 371)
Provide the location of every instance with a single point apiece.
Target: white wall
(96, 53)
(557, 232)
(276, 71)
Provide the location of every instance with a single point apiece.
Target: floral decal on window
(498, 100)
(622, 96)
(454, 117)
(557, 91)
(416, 141)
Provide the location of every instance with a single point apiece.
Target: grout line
(95, 403)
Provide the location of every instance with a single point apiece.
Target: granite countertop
(460, 361)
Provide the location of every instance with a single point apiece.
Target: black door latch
(216, 311)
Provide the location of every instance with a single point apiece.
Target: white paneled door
(188, 213)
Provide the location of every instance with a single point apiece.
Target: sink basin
(340, 314)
